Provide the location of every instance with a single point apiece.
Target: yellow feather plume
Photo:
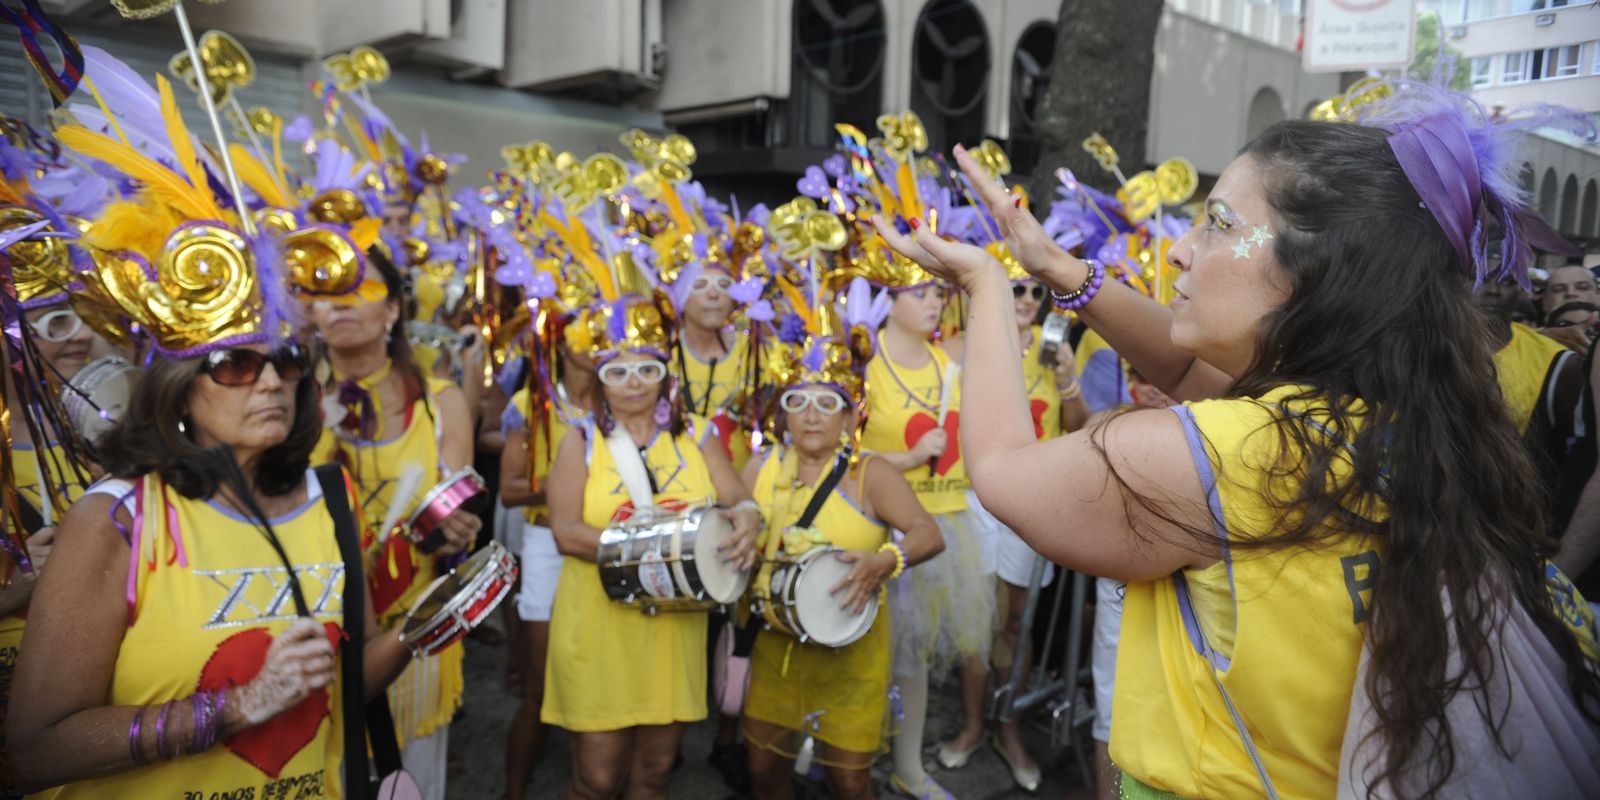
(178, 134)
(255, 175)
(161, 182)
(139, 226)
(364, 232)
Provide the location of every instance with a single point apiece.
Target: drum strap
(375, 717)
(32, 520)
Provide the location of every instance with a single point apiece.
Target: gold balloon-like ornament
(801, 230)
(1176, 181)
(337, 206)
(1097, 146)
(903, 135)
(665, 159)
(992, 158)
(432, 170)
(360, 67)
(1343, 107)
(227, 63)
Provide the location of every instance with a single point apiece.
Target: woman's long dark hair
(1397, 360)
(148, 439)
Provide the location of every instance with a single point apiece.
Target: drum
(458, 601)
(96, 398)
(1053, 336)
(798, 599)
(463, 489)
(667, 560)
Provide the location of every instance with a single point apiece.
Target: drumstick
(404, 488)
(944, 406)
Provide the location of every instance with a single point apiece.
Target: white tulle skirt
(944, 608)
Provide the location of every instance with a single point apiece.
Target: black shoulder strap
(32, 520)
(840, 466)
(359, 717)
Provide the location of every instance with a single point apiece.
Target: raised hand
(1025, 237)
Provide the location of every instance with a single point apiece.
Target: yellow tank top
(902, 405)
(543, 452)
(840, 522)
(1522, 366)
(427, 694)
(1044, 397)
(676, 465)
(715, 393)
(1287, 626)
(207, 603)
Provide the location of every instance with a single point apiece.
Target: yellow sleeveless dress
(1287, 626)
(790, 680)
(714, 392)
(1044, 397)
(610, 666)
(428, 692)
(1522, 367)
(207, 602)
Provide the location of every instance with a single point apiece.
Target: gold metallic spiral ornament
(227, 63)
(203, 289)
(992, 158)
(1343, 107)
(322, 261)
(42, 265)
(432, 170)
(279, 221)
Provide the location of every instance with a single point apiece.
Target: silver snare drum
(97, 396)
(664, 560)
(798, 599)
(1052, 337)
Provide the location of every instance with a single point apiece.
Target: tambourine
(463, 489)
(459, 601)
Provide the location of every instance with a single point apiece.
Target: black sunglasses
(241, 367)
(1018, 290)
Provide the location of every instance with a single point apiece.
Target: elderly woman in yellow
(813, 494)
(194, 633)
(622, 682)
(398, 433)
(1321, 577)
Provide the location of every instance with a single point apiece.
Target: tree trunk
(1100, 82)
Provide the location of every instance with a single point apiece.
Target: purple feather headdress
(1463, 164)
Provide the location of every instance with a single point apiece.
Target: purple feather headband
(1464, 164)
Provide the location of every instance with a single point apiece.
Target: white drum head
(825, 620)
(723, 583)
(107, 382)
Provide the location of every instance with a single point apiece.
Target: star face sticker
(1242, 249)
(1260, 235)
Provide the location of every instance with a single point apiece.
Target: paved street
(479, 737)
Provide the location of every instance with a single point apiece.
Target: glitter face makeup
(1227, 220)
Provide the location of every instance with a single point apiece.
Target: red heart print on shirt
(921, 423)
(271, 745)
(1038, 407)
(392, 574)
(726, 430)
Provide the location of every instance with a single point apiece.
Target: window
(1456, 12)
(1482, 71)
(1561, 62)
(1516, 69)
(1519, 6)
(1596, 47)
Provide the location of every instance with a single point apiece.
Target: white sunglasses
(615, 374)
(57, 326)
(705, 283)
(827, 403)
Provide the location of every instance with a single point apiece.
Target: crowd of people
(281, 413)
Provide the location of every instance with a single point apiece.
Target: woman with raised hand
(398, 433)
(1346, 544)
(624, 683)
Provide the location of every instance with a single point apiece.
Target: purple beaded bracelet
(1080, 297)
(135, 747)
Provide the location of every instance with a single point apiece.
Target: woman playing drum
(196, 596)
(837, 696)
(399, 434)
(622, 682)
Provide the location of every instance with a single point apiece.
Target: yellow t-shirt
(1522, 367)
(204, 621)
(427, 693)
(714, 391)
(1288, 625)
(610, 666)
(1044, 397)
(902, 405)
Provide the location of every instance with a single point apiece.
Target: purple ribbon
(358, 402)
